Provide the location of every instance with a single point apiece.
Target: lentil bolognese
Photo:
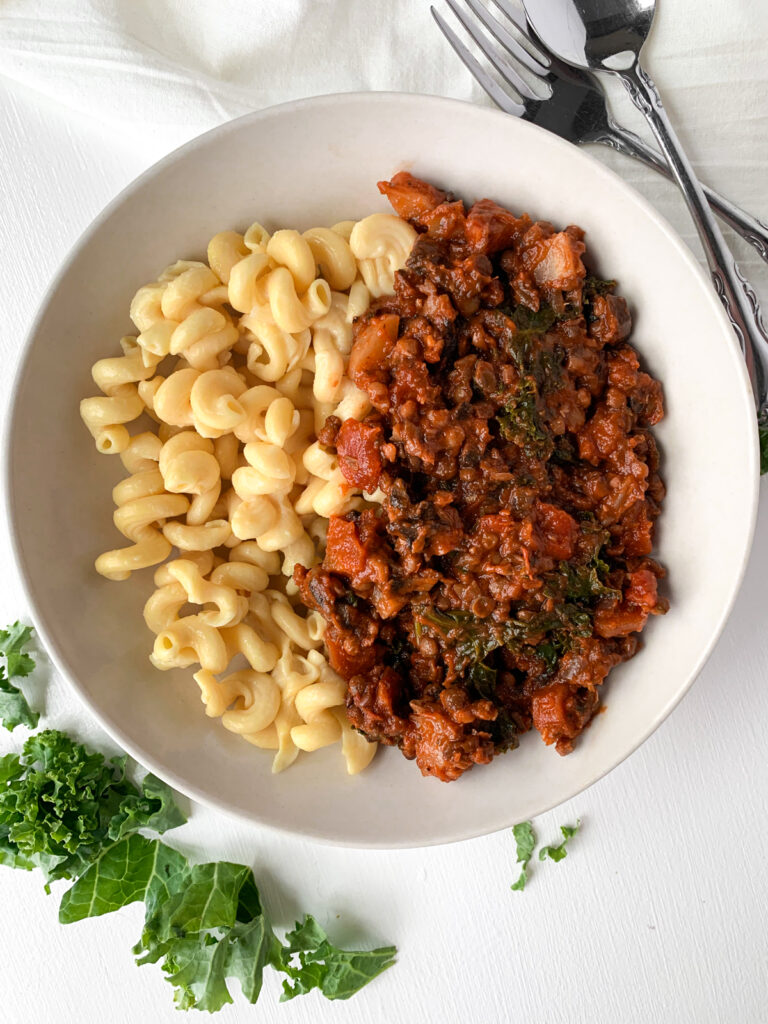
(507, 568)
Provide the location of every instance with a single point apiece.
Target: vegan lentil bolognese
(506, 568)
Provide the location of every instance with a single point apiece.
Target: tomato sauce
(507, 568)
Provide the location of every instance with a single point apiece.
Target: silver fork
(576, 107)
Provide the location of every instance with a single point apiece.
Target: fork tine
(484, 80)
(510, 44)
(506, 71)
(516, 16)
(521, 23)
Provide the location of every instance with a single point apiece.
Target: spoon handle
(751, 229)
(735, 292)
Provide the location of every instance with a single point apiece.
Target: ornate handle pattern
(737, 296)
(751, 229)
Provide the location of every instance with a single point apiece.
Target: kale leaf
(206, 925)
(132, 869)
(204, 922)
(520, 421)
(585, 582)
(154, 808)
(471, 638)
(61, 804)
(525, 838)
(551, 634)
(67, 810)
(13, 640)
(532, 323)
(483, 678)
(594, 286)
(311, 961)
(557, 853)
(598, 286)
(14, 709)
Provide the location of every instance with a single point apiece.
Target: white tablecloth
(659, 911)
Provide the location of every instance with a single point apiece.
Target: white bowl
(315, 162)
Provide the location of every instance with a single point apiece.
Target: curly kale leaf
(594, 285)
(549, 634)
(14, 709)
(62, 804)
(520, 421)
(582, 583)
(311, 961)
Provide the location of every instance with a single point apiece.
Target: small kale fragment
(13, 640)
(550, 653)
(585, 582)
(483, 678)
(594, 286)
(539, 320)
(557, 853)
(311, 961)
(472, 639)
(154, 808)
(532, 323)
(598, 286)
(525, 838)
(14, 709)
(520, 421)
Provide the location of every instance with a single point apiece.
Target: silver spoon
(608, 35)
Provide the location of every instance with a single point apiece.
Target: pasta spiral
(235, 366)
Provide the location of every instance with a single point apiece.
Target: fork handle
(735, 292)
(624, 141)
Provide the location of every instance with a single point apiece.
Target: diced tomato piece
(602, 434)
(499, 523)
(357, 446)
(553, 713)
(344, 554)
(640, 598)
(491, 228)
(620, 621)
(374, 340)
(555, 531)
(348, 659)
(442, 747)
(410, 197)
(636, 531)
(642, 590)
(445, 221)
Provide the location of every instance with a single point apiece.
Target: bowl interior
(316, 162)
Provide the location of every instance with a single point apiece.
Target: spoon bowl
(602, 35)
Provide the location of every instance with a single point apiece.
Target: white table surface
(659, 912)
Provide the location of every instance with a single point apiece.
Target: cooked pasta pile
(236, 366)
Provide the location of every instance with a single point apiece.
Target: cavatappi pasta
(235, 366)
